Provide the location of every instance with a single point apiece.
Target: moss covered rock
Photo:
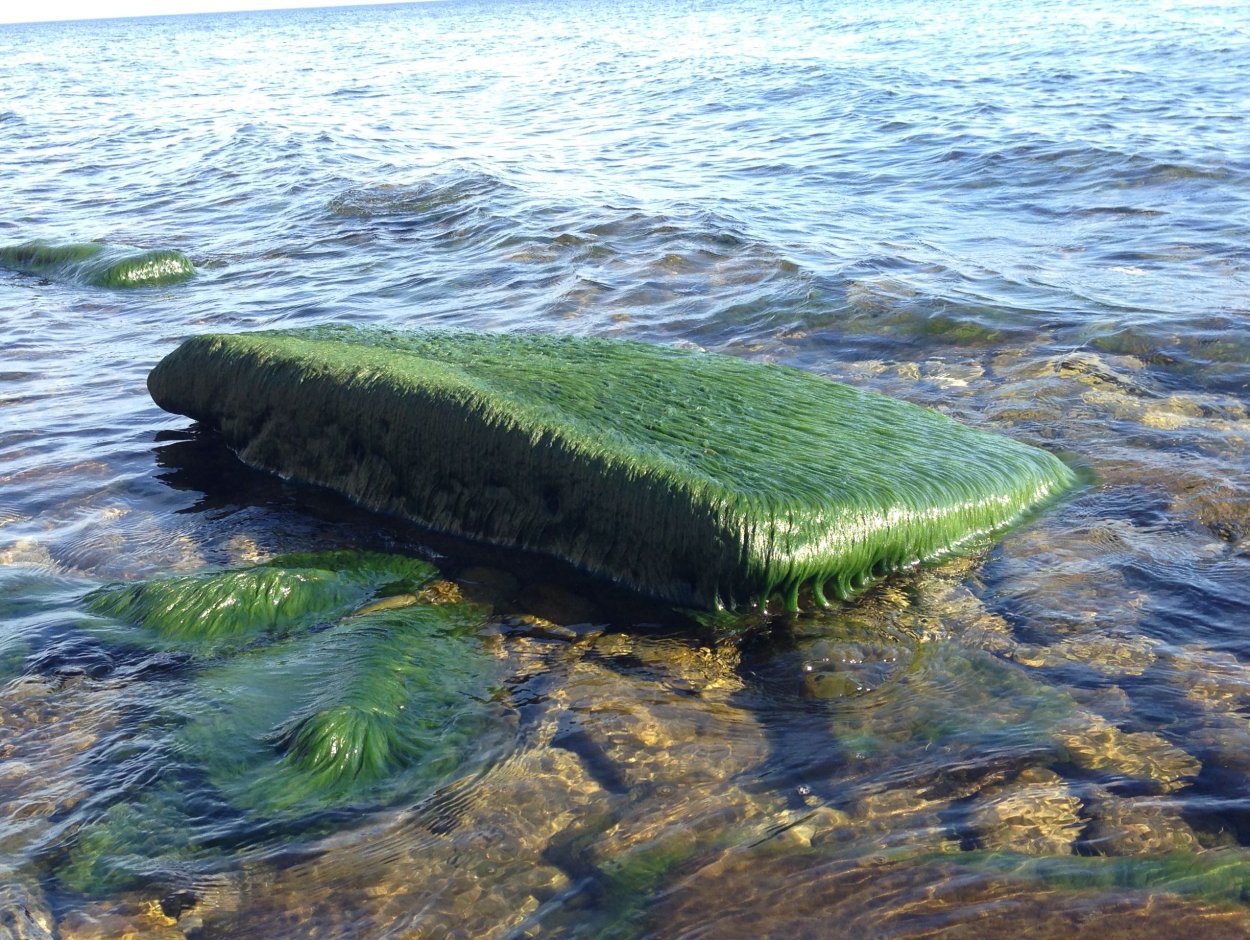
(697, 478)
(98, 264)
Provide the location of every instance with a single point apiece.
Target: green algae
(97, 264)
(205, 613)
(700, 479)
(383, 703)
(129, 843)
(1221, 876)
(306, 695)
(630, 884)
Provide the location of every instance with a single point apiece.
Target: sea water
(1032, 217)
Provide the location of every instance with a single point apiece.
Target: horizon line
(213, 9)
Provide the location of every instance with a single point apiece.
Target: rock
(747, 894)
(45, 727)
(1121, 655)
(469, 862)
(1034, 814)
(882, 819)
(1136, 826)
(24, 912)
(111, 920)
(1094, 743)
(653, 466)
(99, 265)
(440, 592)
(1215, 679)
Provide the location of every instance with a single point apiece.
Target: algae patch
(206, 613)
(700, 479)
(98, 264)
(306, 694)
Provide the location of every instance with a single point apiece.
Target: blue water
(1035, 218)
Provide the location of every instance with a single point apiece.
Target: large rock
(700, 479)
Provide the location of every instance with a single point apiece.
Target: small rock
(1096, 744)
(24, 913)
(1034, 814)
(1136, 826)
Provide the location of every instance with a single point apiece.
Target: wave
(674, 272)
(445, 191)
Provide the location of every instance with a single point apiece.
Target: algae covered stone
(697, 478)
(98, 264)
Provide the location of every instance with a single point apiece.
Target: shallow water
(1036, 220)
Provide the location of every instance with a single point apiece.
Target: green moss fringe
(697, 478)
(97, 264)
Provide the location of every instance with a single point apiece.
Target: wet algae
(305, 695)
(700, 479)
(205, 613)
(97, 264)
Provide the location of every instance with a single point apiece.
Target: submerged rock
(98, 264)
(108, 921)
(1136, 826)
(748, 894)
(24, 912)
(1034, 814)
(1094, 743)
(700, 479)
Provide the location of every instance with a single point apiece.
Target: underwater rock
(1094, 743)
(439, 592)
(28, 553)
(1116, 655)
(1062, 580)
(24, 912)
(1035, 814)
(621, 712)
(701, 479)
(880, 819)
(744, 895)
(859, 658)
(1216, 679)
(471, 861)
(1135, 826)
(46, 728)
(108, 921)
(98, 264)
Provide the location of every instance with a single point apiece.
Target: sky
(18, 12)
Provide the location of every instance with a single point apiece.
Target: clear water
(1035, 218)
